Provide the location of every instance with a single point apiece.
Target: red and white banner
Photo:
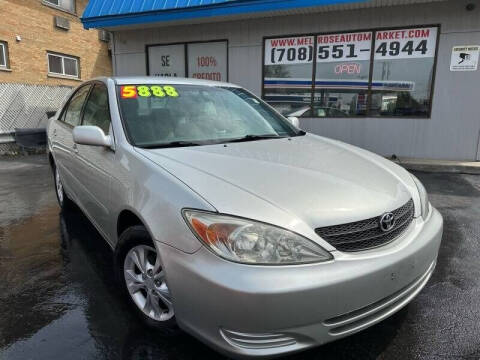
(406, 43)
(208, 60)
(344, 47)
(292, 50)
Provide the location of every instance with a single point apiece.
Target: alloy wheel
(146, 283)
(59, 187)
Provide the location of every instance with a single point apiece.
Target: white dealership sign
(208, 60)
(166, 60)
(465, 58)
(344, 47)
(287, 51)
(411, 43)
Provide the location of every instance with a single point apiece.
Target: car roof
(137, 80)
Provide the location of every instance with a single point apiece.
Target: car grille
(367, 234)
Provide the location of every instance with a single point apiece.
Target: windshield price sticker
(293, 50)
(405, 43)
(134, 91)
(344, 47)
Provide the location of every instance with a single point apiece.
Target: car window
(336, 113)
(96, 111)
(74, 107)
(155, 115)
(307, 114)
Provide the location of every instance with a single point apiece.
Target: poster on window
(208, 60)
(289, 51)
(166, 60)
(411, 43)
(344, 47)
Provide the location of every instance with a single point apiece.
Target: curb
(440, 166)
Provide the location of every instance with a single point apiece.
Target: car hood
(306, 180)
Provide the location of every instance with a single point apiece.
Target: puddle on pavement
(58, 286)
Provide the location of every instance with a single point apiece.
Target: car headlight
(425, 204)
(251, 242)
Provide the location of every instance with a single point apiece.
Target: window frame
(63, 57)
(61, 117)
(185, 45)
(369, 92)
(57, 6)
(6, 57)
(93, 85)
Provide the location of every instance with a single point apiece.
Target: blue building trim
(111, 13)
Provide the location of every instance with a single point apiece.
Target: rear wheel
(143, 278)
(63, 200)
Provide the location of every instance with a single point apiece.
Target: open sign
(348, 68)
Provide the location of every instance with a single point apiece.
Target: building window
(288, 73)
(63, 65)
(68, 5)
(403, 70)
(342, 74)
(202, 60)
(385, 73)
(3, 55)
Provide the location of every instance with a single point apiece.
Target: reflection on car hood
(306, 179)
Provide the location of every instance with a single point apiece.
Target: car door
(62, 139)
(95, 163)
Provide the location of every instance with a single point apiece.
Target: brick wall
(33, 21)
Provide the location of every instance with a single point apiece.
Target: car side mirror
(294, 121)
(50, 114)
(91, 135)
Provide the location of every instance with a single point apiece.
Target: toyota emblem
(387, 222)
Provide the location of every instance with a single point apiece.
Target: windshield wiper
(171, 144)
(251, 137)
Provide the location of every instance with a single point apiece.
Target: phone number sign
(406, 43)
(291, 50)
(344, 47)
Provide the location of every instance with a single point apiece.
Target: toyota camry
(229, 222)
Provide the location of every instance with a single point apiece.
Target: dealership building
(392, 76)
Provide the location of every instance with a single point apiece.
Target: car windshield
(172, 115)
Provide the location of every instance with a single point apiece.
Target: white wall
(454, 128)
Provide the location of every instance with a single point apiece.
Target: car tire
(63, 200)
(141, 275)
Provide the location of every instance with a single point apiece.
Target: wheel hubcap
(146, 283)
(59, 186)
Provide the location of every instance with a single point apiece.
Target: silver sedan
(230, 223)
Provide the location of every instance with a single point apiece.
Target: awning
(109, 14)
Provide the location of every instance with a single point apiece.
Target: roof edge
(224, 9)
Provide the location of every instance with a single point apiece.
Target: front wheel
(144, 280)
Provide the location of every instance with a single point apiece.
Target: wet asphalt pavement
(58, 298)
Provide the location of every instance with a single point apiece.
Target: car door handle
(75, 148)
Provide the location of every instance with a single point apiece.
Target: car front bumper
(246, 310)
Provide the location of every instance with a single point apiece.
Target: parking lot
(58, 298)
